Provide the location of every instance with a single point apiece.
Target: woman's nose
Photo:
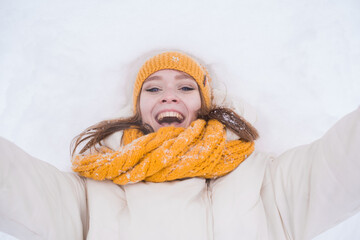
(169, 98)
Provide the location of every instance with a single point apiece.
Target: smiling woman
(171, 88)
(179, 162)
(169, 97)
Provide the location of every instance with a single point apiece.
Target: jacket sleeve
(37, 201)
(317, 186)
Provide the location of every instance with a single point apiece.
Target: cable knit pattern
(171, 153)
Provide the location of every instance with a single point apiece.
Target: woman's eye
(153, 89)
(187, 88)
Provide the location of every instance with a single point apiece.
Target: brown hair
(94, 134)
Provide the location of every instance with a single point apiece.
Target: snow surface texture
(65, 65)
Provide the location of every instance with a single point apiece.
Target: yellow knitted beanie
(176, 61)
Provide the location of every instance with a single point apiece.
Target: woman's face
(169, 97)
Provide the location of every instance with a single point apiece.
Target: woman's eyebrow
(183, 76)
(153, 78)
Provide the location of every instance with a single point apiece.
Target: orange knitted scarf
(201, 150)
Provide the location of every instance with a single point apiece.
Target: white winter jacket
(294, 196)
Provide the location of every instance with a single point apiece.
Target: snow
(65, 65)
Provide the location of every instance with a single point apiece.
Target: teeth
(169, 114)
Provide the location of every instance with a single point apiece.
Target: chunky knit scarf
(201, 150)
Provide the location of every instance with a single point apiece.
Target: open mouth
(168, 118)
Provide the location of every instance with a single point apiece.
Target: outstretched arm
(37, 201)
(318, 185)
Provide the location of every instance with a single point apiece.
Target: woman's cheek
(195, 102)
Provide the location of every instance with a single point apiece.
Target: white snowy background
(65, 65)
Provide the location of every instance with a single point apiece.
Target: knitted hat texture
(176, 61)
